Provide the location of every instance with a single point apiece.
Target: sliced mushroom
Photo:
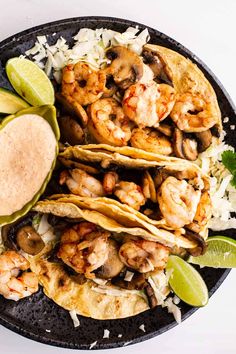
(185, 148)
(216, 130)
(73, 108)
(159, 177)
(178, 143)
(29, 240)
(204, 140)
(71, 131)
(200, 248)
(165, 129)
(9, 231)
(158, 66)
(126, 66)
(110, 86)
(190, 149)
(113, 266)
(152, 300)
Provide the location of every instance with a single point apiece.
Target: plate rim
(45, 26)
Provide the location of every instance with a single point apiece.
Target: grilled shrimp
(82, 84)
(144, 256)
(108, 123)
(130, 193)
(151, 140)
(165, 101)
(178, 202)
(193, 113)
(109, 182)
(84, 248)
(13, 285)
(148, 104)
(81, 183)
(204, 209)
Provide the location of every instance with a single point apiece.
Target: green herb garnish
(229, 161)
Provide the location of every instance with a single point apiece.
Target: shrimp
(151, 140)
(193, 113)
(130, 193)
(178, 202)
(166, 101)
(84, 248)
(148, 104)
(203, 212)
(81, 84)
(109, 182)
(13, 285)
(144, 256)
(108, 123)
(81, 183)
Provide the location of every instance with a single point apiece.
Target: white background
(208, 28)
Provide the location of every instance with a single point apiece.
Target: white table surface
(208, 28)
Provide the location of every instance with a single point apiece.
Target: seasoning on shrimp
(108, 123)
(151, 140)
(81, 84)
(144, 256)
(13, 284)
(84, 248)
(81, 183)
(178, 202)
(193, 113)
(148, 104)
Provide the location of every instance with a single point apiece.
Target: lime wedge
(186, 282)
(30, 82)
(220, 253)
(10, 103)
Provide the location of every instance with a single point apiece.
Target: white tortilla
(27, 151)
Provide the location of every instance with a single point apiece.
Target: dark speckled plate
(38, 317)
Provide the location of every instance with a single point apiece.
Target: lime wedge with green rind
(10, 103)
(49, 113)
(30, 82)
(186, 282)
(220, 253)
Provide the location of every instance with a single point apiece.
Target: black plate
(38, 317)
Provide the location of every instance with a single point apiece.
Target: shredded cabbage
(74, 318)
(223, 195)
(89, 47)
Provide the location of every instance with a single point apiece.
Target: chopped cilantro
(229, 161)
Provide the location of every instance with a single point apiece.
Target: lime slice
(186, 282)
(30, 82)
(11, 103)
(220, 253)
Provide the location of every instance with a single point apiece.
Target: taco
(160, 196)
(94, 266)
(157, 102)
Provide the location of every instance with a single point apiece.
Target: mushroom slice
(178, 143)
(29, 240)
(204, 140)
(73, 108)
(71, 131)
(190, 149)
(126, 66)
(152, 300)
(158, 66)
(200, 248)
(113, 265)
